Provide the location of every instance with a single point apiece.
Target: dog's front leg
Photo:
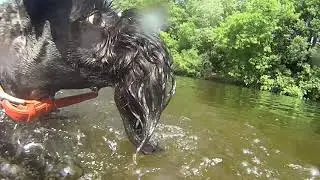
(24, 19)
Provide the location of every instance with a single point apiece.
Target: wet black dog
(49, 45)
(76, 44)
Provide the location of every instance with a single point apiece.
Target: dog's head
(141, 67)
(138, 63)
(115, 49)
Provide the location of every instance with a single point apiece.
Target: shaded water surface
(209, 131)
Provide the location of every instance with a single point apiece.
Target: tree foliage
(270, 44)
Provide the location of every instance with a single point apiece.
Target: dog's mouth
(138, 126)
(140, 135)
(140, 104)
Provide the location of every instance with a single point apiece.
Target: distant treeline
(272, 45)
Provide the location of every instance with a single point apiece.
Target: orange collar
(21, 110)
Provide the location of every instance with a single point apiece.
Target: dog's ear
(130, 16)
(23, 16)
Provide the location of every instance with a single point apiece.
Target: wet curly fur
(77, 44)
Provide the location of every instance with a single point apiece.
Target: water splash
(112, 144)
(311, 171)
(143, 171)
(198, 169)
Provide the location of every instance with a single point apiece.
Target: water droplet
(195, 171)
(247, 151)
(256, 141)
(244, 164)
(256, 160)
(294, 166)
(315, 172)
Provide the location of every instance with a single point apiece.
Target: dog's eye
(95, 18)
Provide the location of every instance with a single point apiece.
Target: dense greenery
(273, 45)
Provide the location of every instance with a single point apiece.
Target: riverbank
(221, 79)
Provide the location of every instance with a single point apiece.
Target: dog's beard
(140, 100)
(144, 87)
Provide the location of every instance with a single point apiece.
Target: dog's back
(33, 65)
(74, 51)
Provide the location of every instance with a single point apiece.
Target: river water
(209, 131)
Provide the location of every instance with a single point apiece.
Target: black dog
(49, 45)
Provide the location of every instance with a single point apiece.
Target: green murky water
(209, 131)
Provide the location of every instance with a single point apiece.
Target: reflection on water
(209, 131)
